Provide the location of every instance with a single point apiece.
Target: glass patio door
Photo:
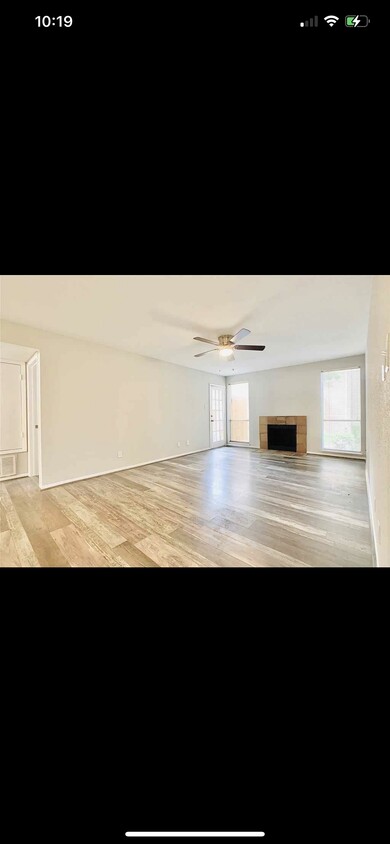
(217, 416)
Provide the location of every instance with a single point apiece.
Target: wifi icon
(331, 19)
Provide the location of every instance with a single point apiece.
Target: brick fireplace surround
(299, 421)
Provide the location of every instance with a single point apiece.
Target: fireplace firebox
(282, 437)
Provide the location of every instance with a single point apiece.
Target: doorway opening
(238, 413)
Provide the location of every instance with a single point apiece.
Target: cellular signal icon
(310, 22)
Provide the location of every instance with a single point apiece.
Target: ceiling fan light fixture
(227, 343)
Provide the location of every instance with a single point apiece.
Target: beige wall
(378, 419)
(96, 401)
(294, 391)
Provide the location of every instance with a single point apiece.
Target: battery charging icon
(352, 21)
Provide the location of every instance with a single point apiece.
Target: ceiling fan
(227, 343)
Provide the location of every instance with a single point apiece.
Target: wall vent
(7, 465)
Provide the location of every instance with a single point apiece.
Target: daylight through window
(341, 410)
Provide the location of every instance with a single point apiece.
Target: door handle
(35, 426)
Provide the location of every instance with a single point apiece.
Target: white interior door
(13, 407)
(217, 415)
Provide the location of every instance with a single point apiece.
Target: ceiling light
(225, 352)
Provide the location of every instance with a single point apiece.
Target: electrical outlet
(119, 454)
(187, 442)
(178, 443)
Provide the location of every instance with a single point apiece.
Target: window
(341, 410)
(239, 413)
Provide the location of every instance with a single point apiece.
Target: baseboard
(14, 477)
(242, 445)
(316, 453)
(334, 454)
(372, 522)
(124, 468)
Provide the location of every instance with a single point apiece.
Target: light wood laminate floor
(226, 507)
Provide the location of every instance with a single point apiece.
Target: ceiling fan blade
(240, 335)
(203, 340)
(251, 348)
(205, 353)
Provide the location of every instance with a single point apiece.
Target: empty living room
(195, 421)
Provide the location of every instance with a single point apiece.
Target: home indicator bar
(195, 834)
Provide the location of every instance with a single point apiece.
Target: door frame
(34, 361)
(223, 387)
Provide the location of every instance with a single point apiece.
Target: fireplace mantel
(299, 421)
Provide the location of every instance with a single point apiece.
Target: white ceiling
(298, 318)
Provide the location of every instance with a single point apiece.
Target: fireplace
(292, 437)
(282, 437)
